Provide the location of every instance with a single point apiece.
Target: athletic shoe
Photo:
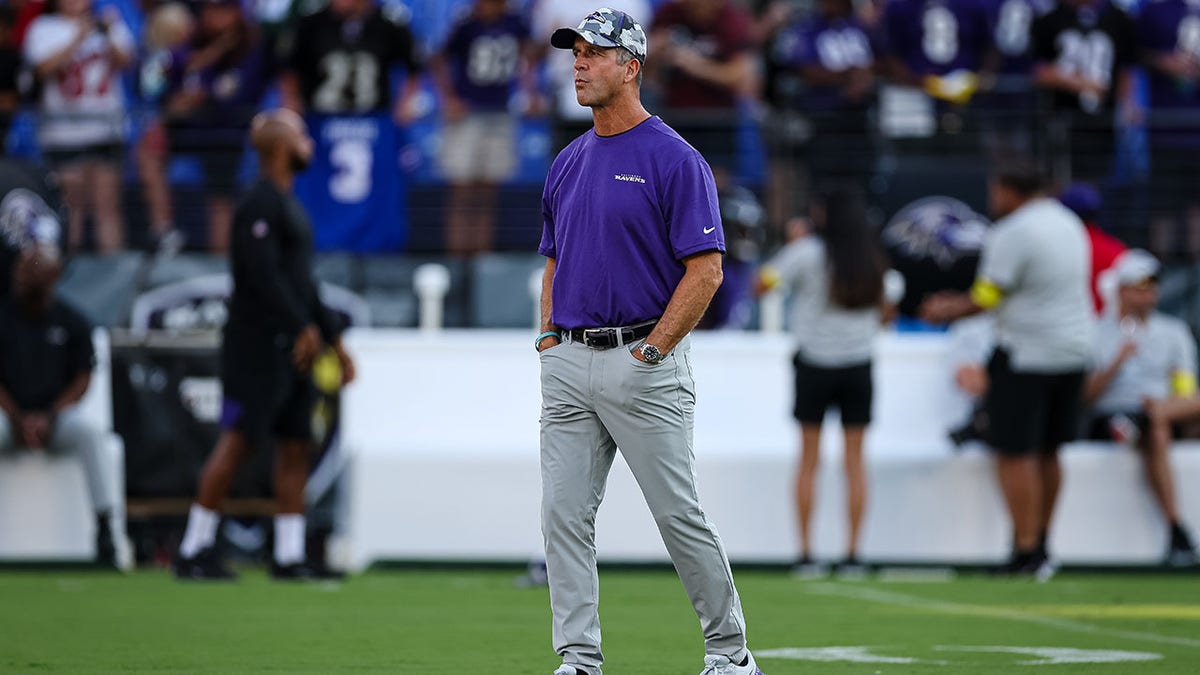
(205, 566)
(535, 577)
(721, 665)
(1034, 564)
(304, 572)
(1181, 552)
(106, 550)
(568, 670)
(806, 568)
(851, 568)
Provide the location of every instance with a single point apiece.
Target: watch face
(651, 354)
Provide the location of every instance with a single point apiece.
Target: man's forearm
(72, 394)
(689, 301)
(547, 324)
(8, 405)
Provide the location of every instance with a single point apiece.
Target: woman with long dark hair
(837, 278)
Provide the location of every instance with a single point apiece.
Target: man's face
(703, 11)
(299, 144)
(349, 7)
(598, 75)
(34, 275)
(490, 10)
(1001, 200)
(1140, 299)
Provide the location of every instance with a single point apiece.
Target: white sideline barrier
(45, 512)
(443, 435)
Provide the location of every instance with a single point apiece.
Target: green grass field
(478, 622)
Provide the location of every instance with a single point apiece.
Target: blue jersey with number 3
(354, 189)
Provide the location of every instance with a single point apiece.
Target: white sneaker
(564, 669)
(123, 549)
(721, 665)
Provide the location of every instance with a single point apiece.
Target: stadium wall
(441, 443)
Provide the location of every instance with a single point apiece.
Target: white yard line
(962, 609)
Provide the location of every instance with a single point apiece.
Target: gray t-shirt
(826, 335)
(1040, 257)
(1164, 347)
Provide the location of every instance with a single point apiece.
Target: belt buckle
(600, 337)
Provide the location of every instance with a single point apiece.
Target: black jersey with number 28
(344, 65)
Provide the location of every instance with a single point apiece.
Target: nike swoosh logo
(709, 230)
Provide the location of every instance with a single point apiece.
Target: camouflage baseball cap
(605, 28)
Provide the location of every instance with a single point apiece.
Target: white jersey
(550, 15)
(827, 335)
(84, 103)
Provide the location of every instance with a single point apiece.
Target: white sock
(289, 538)
(201, 531)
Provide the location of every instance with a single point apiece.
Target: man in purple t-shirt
(487, 53)
(633, 240)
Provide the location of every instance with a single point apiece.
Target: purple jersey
(621, 212)
(836, 45)
(233, 86)
(484, 58)
(1165, 27)
(936, 37)
(1011, 22)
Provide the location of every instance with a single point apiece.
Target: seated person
(972, 341)
(1142, 357)
(46, 361)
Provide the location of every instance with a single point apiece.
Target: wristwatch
(650, 353)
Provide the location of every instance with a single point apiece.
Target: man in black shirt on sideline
(46, 361)
(277, 327)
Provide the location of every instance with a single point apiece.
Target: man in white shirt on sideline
(1034, 275)
(1143, 356)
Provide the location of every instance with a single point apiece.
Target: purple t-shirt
(484, 58)
(621, 212)
(837, 45)
(936, 37)
(1166, 26)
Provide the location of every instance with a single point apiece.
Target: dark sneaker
(1181, 552)
(106, 550)
(205, 566)
(807, 568)
(1034, 564)
(304, 572)
(851, 568)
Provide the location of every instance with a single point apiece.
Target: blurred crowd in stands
(428, 112)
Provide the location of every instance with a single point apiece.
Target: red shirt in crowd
(1105, 251)
(722, 39)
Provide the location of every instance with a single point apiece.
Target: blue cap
(1083, 199)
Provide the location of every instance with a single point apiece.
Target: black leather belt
(607, 338)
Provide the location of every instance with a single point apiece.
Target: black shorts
(265, 397)
(1031, 412)
(1101, 426)
(818, 389)
(111, 153)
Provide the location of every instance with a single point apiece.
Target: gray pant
(74, 435)
(594, 401)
